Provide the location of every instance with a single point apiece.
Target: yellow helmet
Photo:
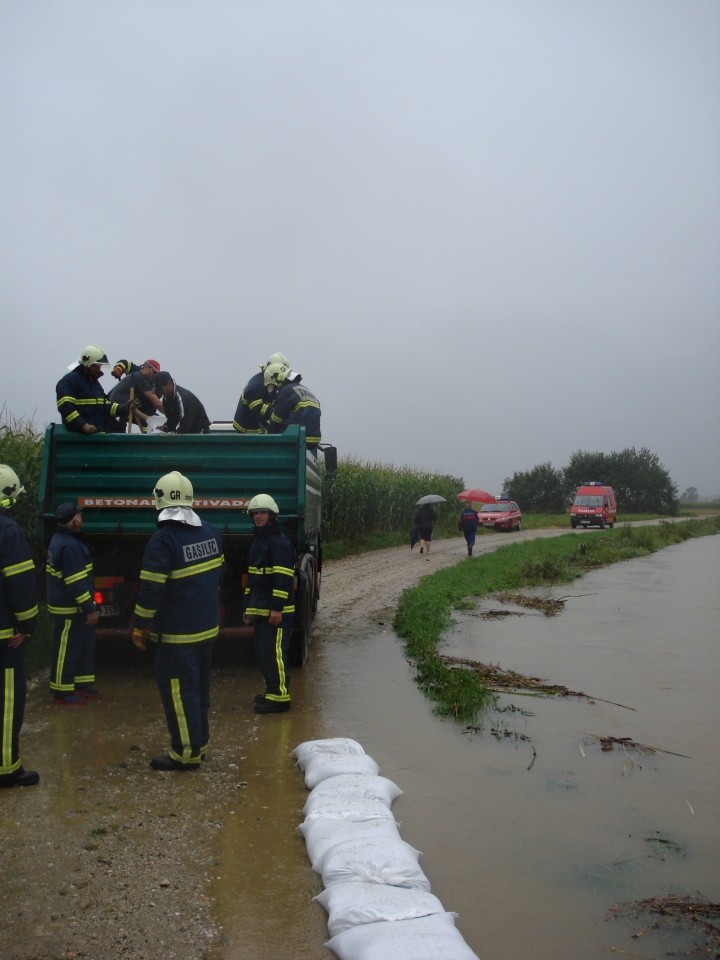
(10, 485)
(274, 374)
(173, 490)
(93, 354)
(276, 358)
(263, 501)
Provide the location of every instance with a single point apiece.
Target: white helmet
(94, 354)
(275, 373)
(173, 490)
(263, 501)
(10, 485)
(276, 358)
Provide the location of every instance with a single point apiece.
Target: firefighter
(18, 615)
(252, 406)
(184, 412)
(70, 589)
(270, 602)
(177, 609)
(291, 403)
(81, 400)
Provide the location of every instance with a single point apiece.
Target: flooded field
(529, 830)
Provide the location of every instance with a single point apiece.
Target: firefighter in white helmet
(292, 402)
(177, 609)
(18, 614)
(270, 602)
(81, 400)
(252, 406)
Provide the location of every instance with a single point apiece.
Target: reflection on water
(531, 855)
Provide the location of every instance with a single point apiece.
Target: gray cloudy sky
(487, 232)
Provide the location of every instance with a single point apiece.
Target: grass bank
(425, 612)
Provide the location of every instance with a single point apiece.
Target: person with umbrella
(468, 524)
(424, 520)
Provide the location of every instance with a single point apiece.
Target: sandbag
(350, 904)
(319, 767)
(322, 833)
(354, 808)
(348, 786)
(426, 938)
(313, 748)
(373, 860)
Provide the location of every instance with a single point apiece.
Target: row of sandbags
(376, 895)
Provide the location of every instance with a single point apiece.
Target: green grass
(425, 612)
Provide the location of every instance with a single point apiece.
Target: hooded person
(18, 616)
(81, 401)
(270, 602)
(177, 609)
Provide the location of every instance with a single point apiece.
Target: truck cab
(594, 504)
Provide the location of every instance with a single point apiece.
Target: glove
(88, 428)
(139, 637)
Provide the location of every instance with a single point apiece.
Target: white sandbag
(314, 748)
(427, 938)
(361, 786)
(373, 860)
(321, 833)
(353, 808)
(319, 767)
(350, 904)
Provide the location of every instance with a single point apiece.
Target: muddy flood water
(528, 829)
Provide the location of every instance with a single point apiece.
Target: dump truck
(112, 477)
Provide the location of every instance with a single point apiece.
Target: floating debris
(695, 916)
(625, 743)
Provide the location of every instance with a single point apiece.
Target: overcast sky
(487, 232)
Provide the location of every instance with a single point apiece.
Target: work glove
(88, 428)
(139, 637)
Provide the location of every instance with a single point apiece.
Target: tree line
(641, 483)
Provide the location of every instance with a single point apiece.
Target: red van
(594, 506)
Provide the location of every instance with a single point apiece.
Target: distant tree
(641, 483)
(539, 490)
(690, 495)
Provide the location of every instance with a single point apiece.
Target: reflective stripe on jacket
(271, 572)
(69, 575)
(18, 586)
(81, 400)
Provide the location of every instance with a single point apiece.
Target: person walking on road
(18, 615)
(424, 520)
(468, 524)
(69, 585)
(270, 602)
(178, 610)
(184, 412)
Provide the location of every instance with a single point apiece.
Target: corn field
(376, 498)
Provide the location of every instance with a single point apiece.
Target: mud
(106, 858)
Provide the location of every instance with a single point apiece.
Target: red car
(504, 514)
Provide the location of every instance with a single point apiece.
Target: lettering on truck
(226, 503)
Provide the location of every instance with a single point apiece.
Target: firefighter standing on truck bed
(270, 602)
(81, 400)
(177, 608)
(253, 404)
(292, 402)
(18, 614)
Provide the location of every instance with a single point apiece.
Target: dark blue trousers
(271, 646)
(73, 659)
(12, 706)
(183, 678)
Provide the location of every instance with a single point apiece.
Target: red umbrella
(476, 496)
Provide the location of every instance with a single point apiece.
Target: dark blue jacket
(18, 586)
(184, 412)
(468, 520)
(271, 572)
(294, 403)
(69, 575)
(81, 400)
(252, 406)
(182, 568)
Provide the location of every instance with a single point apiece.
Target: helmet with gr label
(94, 354)
(173, 490)
(10, 485)
(263, 501)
